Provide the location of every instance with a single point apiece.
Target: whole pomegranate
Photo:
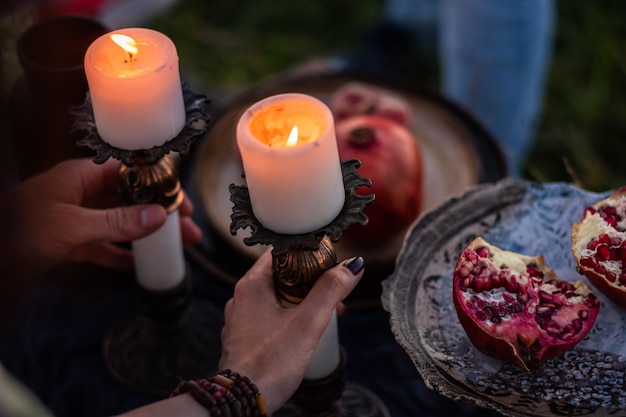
(356, 98)
(599, 246)
(390, 157)
(513, 307)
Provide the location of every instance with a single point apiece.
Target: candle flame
(293, 137)
(126, 42)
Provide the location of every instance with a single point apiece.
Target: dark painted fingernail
(355, 265)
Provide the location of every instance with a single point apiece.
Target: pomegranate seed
(495, 280)
(463, 272)
(481, 315)
(508, 298)
(583, 314)
(603, 252)
(588, 212)
(482, 252)
(610, 276)
(544, 296)
(577, 325)
(543, 309)
(591, 300)
(479, 284)
(522, 297)
(589, 262)
(533, 271)
(511, 286)
(553, 330)
(604, 238)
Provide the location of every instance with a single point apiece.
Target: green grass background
(232, 44)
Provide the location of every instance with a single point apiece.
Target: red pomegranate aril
(603, 252)
(508, 298)
(517, 309)
(482, 252)
(589, 262)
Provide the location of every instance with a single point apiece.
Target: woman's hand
(273, 344)
(73, 212)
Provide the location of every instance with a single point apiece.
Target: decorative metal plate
(524, 217)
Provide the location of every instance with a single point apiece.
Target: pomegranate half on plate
(513, 307)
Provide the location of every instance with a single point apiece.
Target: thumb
(125, 223)
(333, 286)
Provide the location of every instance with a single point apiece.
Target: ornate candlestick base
(172, 335)
(297, 262)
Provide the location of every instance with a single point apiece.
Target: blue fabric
(494, 57)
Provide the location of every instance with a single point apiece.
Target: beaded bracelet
(227, 394)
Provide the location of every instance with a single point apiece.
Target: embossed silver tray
(524, 217)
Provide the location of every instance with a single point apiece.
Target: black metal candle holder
(172, 335)
(297, 262)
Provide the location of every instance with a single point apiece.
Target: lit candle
(137, 100)
(289, 153)
(293, 172)
(135, 88)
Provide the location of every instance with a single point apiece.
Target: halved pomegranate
(599, 246)
(513, 307)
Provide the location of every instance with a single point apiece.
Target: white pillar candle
(159, 257)
(135, 88)
(327, 355)
(296, 186)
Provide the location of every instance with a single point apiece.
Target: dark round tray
(457, 153)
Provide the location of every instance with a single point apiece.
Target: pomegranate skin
(356, 98)
(520, 311)
(599, 246)
(390, 157)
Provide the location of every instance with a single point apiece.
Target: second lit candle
(291, 163)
